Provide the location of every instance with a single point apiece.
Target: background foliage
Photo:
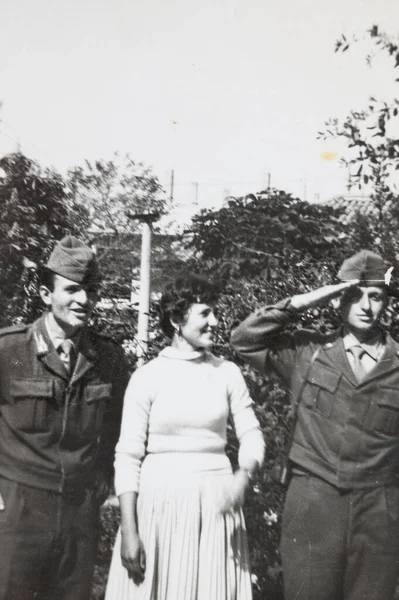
(260, 248)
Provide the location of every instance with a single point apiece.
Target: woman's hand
(231, 494)
(133, 556)
(241, 483)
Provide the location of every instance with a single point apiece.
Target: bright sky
(224, 92)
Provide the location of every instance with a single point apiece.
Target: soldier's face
(362, 307)
(71, 303)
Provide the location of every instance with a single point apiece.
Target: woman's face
(198, 327)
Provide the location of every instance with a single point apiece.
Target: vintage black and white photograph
(199, 300)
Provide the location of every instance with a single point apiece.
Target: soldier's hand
(2, 505)
(321, 295)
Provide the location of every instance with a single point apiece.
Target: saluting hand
(321, 295)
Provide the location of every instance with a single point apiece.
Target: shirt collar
(56, 333)
(373, 349)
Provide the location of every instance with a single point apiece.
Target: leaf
(374, 31)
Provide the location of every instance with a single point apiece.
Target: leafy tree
(105, 195)
(372, 137)
(34, 214)
(258, 235)
(112, 190)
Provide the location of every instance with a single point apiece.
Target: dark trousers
(47, 545)
(339, 545)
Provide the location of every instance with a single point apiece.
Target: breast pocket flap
(388, 397)
(324, 377)
(97, 391)
(31, 388)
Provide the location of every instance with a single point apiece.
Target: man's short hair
(47, 278)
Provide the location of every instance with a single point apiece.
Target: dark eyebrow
(72, 287)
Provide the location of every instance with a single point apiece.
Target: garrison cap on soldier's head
(369, 267)
(74, 260)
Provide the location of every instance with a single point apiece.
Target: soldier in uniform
(61, 394)
(340, 535)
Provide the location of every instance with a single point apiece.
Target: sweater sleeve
(131, 446)
(249, 434)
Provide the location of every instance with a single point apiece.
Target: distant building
(353, 205)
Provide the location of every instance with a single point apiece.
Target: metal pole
(144, 302)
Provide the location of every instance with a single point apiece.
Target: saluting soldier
(61, 394)
(340, 537)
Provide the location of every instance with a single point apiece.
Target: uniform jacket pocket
(31, 403)
(95, 397)
(320, 389)
(386, 416)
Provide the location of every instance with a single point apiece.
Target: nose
(82, 297)
(365, 302)
(212, 320)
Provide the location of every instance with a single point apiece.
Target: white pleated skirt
(194, 551)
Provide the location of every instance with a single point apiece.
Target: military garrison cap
(367, 266)
(74, 260)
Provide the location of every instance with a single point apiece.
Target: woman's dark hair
(180, 294)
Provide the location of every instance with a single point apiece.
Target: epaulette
(13, 329)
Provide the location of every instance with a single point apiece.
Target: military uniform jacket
(58, 432)
(346, 432)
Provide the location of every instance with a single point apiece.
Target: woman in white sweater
(182, 534)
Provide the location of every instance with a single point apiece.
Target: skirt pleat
(193, 550)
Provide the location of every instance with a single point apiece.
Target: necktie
(68, 354)
(356, 363)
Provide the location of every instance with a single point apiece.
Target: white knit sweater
(179, 403)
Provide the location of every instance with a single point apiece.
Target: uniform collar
(47, 354)
(56, 333)
(375, 348)
(336, 352)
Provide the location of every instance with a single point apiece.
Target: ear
(45, 295)
(175, 325)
